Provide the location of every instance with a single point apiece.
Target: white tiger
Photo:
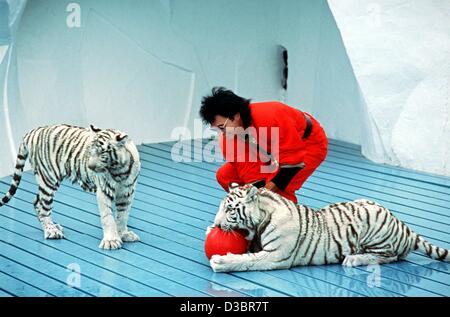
(285, 234)
(102, 161)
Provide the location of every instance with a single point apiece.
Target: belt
(259, 184)
(308, 128)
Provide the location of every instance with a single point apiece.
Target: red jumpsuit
(241, 167)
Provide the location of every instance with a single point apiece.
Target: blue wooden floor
(174, 204)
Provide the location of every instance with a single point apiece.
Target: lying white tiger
(285, 234)
(102, 161)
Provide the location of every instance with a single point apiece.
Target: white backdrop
(400, 52)
(143, 65)
(12, 119)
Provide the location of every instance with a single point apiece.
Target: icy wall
(143, 65)
(400, 53)
(10, 103)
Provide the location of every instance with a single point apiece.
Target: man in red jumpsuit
(290, 144)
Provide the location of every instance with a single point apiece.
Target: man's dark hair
(225, 103)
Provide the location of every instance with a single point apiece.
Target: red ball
(222, 242)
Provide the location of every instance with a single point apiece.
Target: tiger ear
(252, 193)
(233, 186)
(121, 138)
(95, 129)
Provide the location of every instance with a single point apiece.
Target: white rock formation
(400, 53)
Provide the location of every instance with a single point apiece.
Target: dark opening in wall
(284, 66)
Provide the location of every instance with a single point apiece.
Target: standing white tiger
(285, 234)
(102, 161)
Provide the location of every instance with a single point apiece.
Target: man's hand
(271, 186)
(209, 228)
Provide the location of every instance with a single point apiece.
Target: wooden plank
(156, 244)
(439, 210)
(438, 184)
(17, 287)
(39, 280)
(175, 202)
(4, 293)
(192, 241)
(168, 225)
(330, 164)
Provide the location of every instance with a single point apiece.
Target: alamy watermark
(374, 279)
(73, 19)
(374, 15)
(239, 145)
(74, 277)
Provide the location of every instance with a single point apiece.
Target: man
(294, 144)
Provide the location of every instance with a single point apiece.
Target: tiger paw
(208, 229)
(353, 260)
(226, 263)
(129, 236)
(218, 263)
(110, 244)
(53, 231)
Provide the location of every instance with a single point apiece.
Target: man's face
(226, 125)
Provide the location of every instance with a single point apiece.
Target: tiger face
(107, 152)
(239, 210)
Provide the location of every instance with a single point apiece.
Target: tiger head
(108, 151)
(239, 210)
